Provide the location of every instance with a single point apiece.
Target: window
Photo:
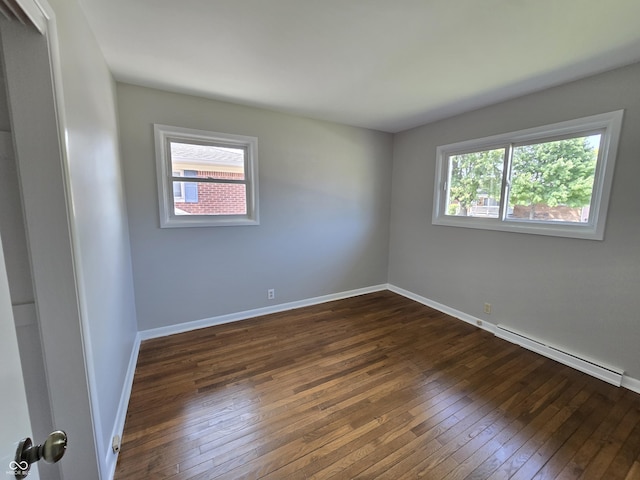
(206, 178)
(551, 180)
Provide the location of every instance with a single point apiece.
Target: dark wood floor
(373, 387)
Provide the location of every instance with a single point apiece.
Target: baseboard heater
(608, 374)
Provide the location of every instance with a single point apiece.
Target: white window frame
(164, 134)
(608, 124)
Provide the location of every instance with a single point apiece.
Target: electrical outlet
(271, 293)
(487, 308)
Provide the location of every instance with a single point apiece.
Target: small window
(206, 178)
(552, 180)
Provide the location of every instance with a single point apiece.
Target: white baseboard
(606, 373)
(257, 312)
(567, 359)
(630, 383)
(121, 415)
(612, 375)
(465, 317)
(111, 459)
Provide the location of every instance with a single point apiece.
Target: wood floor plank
(610, 445)
(623, 461)
(577, 464)
(371, 387)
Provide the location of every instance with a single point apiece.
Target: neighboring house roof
(206, 154)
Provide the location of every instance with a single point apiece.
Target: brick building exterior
(214, 198)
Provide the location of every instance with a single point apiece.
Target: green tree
(553, 173)
(475, 174)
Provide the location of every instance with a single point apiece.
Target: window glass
(209, 161)
(177, 187)
(475, 183)
(549, 180)
(553, 181)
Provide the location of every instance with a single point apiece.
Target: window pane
(177, 186)
(475, 183)
(553, 181)
(190, 188)
(213, 199)
(208, 161)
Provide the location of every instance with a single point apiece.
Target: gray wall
(99, 222)
(580, 295)
(324, 211)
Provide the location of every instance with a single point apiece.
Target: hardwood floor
(372, 387)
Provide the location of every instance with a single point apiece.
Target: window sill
(554, 229)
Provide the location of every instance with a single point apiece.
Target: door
(14, 416)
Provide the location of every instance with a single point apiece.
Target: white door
(14, 416)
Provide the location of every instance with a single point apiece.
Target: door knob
(51, 451)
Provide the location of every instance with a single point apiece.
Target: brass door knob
(51, 451)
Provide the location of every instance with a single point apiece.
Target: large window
(551, 180)
(206, 178)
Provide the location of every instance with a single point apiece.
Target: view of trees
(475, 175)
(553, 173)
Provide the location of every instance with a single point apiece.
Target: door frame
(35, 98)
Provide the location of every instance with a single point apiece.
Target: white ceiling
(382, 64)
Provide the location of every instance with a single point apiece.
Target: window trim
(609, 124)
(163, 135)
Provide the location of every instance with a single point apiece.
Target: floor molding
(257, 312)
(631, 383)
(609, 374)
(566, 358)
(112, 458)
(465, 317)
(320, 371)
